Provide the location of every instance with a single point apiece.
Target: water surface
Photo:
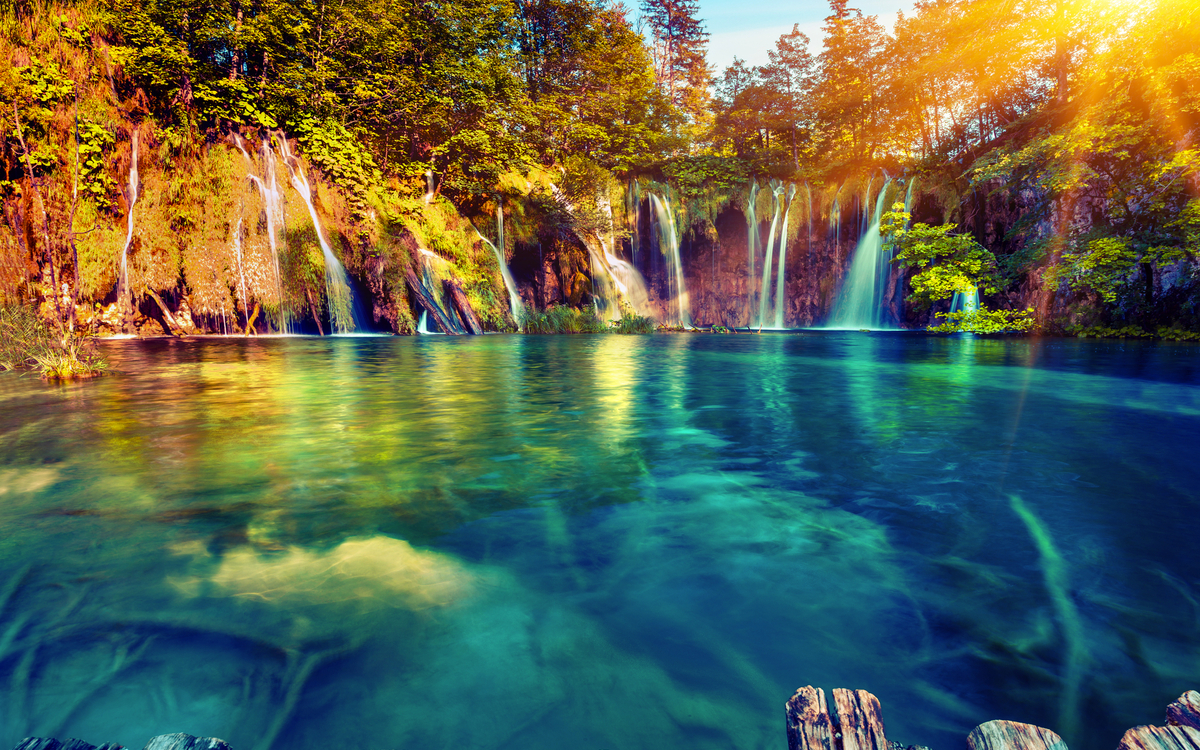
(598, 541)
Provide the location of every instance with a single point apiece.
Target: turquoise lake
(598, 541)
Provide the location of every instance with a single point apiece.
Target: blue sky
(748, 29)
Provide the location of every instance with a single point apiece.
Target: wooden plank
(1009, 735)
(463, 306)
(860, 720)
(185, 742)
(1161, 738)
(1185, 712)
(429, 303)
(39, 743)
(808, 724)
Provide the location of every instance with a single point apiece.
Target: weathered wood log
(808, 724)
(173, 327)
(1009, 735)
(463, 306)
(429, 303)
(859, 719)
(185, 742)
(1161, 738)
(1185, 712)
(49, 743)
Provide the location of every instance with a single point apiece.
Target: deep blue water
(598, 541)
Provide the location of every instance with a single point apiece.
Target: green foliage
(946, 263)
(632, 323)
(983, 320)
(340, 154)
(26, 341)
(561, 319)
(1103, 265)
(1165, 333)
(95, 141)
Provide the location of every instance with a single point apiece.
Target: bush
(632, 323)
(27, 341)
(984, 320)
(558, 319)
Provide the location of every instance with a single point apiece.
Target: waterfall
(237, 246)
(765, 289)
(893, 303)
(604, 288)
(751, 242)
(629, 283)
(337, 284)
(780, 294)
(123, 286)
(514, 299)
(669, 246)
(268, 190)
(423, 323)
(861, 299)
(633, 209)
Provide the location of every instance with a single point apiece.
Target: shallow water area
(615, 541)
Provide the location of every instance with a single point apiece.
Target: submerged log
(463, 306)
(1161, 738)
(1185, 712)
(808, 724)
(859, 719)
(429, 303)
(173, 327)
(1009, 735)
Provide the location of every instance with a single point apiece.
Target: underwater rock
(1010, 735)
(1161, 738)
(1185, 712)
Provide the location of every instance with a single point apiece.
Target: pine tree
(680, 44)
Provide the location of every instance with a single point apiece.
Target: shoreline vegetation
(28, 341)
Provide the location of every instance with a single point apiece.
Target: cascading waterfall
(633, 208)
(514, 299)
(780, 293)
(423, 323)
(272, 198)
(337, 283)
(237, 246)
(891, 305)
(669, 246)
(123, 287)
(765, 288)
(860, 301)
(751, 239)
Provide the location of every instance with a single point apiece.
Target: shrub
(27, 341)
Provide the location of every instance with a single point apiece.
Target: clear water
(598, 541)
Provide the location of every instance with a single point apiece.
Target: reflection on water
(511, 541)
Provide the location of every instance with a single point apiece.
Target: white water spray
(860, 302)
(780, 293)
(123, 287)
(765, 288)
(669, 246)
(337, 284)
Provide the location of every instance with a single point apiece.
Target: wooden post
(808, 723)
(1009, 735)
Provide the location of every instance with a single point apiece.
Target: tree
(789, 76)
(847, 101)
(680, 44)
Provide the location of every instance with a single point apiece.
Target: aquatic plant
(633, 323)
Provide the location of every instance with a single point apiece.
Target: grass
(560, 319)
(632, 323)
(28, 342)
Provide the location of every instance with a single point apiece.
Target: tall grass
(26, 341)
(560, 319)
